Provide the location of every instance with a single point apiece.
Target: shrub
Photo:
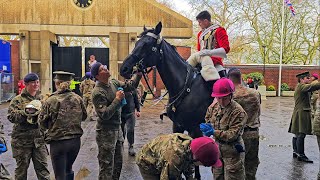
(255, 76)
(271, 88)
(285, 87)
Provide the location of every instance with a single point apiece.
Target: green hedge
(285, 87)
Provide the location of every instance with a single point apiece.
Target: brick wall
(288, 73)
(15, 61)
(271, 72)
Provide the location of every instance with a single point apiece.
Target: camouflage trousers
(87, 100)
(110, 146)
(251, 162)
(233, 164)
(23, 155)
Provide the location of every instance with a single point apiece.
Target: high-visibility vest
(73, 84)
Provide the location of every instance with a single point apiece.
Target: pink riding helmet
(223, 87)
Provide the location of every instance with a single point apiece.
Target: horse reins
(140, 66)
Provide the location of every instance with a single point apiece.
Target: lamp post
(264, 60)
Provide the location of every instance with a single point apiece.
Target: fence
(6, 87)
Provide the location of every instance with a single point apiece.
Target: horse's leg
(195, 133)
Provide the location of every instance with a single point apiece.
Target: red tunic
(221, 39)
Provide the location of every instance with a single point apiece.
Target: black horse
(189, 96)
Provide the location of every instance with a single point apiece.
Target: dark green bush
(285, 87)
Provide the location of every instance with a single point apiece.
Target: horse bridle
(139, 65)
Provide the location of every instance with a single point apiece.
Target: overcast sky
(181, 5)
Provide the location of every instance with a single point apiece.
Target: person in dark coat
(300, 124)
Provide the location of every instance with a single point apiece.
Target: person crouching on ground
(171, 155)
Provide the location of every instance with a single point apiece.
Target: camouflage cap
(302, 75)
(64, 76)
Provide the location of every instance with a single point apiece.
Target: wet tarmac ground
(275, 153)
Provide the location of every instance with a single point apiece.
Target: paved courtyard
(275, 144)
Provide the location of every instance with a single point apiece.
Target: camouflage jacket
(250, 101)
(24, 134)
(168, 155)
(230, 120)
(61, 115)
(86, 87)
(107, 106)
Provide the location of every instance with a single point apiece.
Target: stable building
(39, 23)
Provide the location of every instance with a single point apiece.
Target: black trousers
(63, 154)
(298, 144)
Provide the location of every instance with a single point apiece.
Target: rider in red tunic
(213, 45)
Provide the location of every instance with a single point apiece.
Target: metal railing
(6, 87)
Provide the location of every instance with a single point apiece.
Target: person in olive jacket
(300, 124)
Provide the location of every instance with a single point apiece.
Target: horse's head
(146, 52)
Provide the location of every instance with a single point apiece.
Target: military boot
(300, 147)
(304, 158)
(131, 151)
(294, 145)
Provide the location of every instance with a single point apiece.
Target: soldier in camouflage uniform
(27, 138)
(228, 120)
(250, 101)
(107, 102)
(61, 116)
(86, 88)
(168, 156)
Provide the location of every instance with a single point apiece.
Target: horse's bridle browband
(157, 37)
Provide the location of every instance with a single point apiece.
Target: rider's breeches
(208, 71)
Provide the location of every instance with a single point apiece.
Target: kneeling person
(168, 156)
